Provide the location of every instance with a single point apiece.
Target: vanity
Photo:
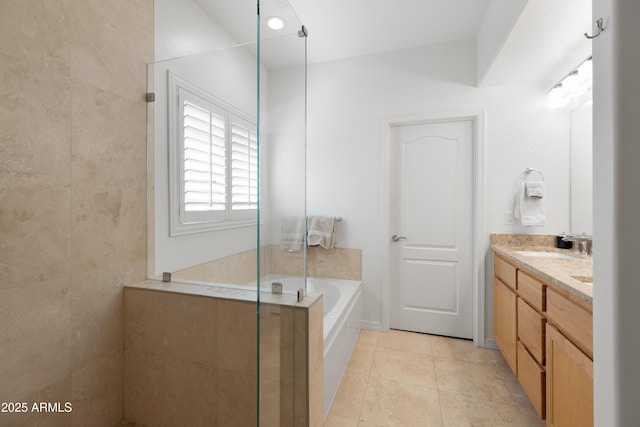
(543, 324)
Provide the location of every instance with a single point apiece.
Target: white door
(431, 287)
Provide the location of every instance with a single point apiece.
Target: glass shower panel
(202, 152)
(286, 393)
(226, 143)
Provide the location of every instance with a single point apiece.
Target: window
(213, 162)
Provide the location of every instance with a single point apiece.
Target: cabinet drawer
(572, 320)
(505, 271)
(532, 379)
(532, 290)
(531, 330)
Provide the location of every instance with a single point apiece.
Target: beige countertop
(556, 271)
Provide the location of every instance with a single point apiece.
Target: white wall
(229, 74)
(348, 100)
(616, 266)
(286, 150)
(498, 21)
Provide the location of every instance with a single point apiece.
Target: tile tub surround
(181, 339)
(336, 263)
(240, 269)
(72, 197)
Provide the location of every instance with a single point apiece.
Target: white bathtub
(341, 326)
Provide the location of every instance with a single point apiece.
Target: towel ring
(527, 171)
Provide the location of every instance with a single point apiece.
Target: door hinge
(150, 97)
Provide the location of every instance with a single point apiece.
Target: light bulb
(574, 84)
(558, 96)
(275, 23)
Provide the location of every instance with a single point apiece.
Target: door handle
(396, 238)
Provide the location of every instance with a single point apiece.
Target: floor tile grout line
(366, 387)
(525, 418)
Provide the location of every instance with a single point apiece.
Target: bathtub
(342, 307)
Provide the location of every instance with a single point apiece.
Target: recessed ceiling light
(275, 23)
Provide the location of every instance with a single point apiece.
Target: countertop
(557, 271)
(225, 291)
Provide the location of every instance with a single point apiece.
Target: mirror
(581, 168)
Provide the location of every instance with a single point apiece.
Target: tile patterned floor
(407, 379)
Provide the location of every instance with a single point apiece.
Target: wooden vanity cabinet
(532, 378)
(546, 336)
(531, 330)
(504, 321)
(569, 361)
(505, 310)
(574, 320)
(531, 340)
(532, 290)
(569, 383)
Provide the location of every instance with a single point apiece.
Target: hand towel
(321, 230)
(530, 210)
(534, 189)
(292, 233)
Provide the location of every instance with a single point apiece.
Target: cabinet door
(569, 383)
(504, 321)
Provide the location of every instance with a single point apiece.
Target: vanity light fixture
(558, 96)
(576, 83)
(276, 23)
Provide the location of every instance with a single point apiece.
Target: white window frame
(188, 222)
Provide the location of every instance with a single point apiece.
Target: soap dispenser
(561, 243)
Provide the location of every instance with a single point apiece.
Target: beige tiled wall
(191, 360)
(72, 199)
(241, 268)
(337, 263)
(238, 269)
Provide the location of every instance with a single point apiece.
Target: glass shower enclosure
(226, 146)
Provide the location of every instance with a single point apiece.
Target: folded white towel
(292, 233)
(530, 210)
(321, 230)
(534, 189)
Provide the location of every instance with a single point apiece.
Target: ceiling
(345, 28)
(543, 43)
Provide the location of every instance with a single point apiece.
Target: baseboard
(490, 344)
(372, 326)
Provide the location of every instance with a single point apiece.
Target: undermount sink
(587, 280)
(542, 254)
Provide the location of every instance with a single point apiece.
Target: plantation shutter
(204, 153)
(244, 165)
(215, 162)
(204, 159)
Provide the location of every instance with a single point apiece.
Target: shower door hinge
(166, 277)
(303, 32)
(150, 97)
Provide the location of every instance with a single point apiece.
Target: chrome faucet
(582, 243)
